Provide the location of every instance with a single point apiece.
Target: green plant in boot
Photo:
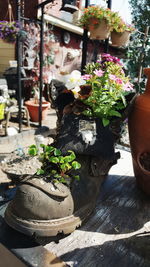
(56, 166)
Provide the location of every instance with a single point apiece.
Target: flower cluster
(8, 31)
(93, 15)
(120, 26)
(103, 89)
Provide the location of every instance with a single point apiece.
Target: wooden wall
(7, 52)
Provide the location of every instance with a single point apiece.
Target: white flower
(2, 100)
(74, 81)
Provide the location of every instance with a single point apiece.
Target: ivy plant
(55, 166)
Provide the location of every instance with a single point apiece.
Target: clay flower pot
(33, 109)
(139, 135)
(120, 38)
(100, 32)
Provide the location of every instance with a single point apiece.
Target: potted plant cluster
(63, 192)
(101, 22)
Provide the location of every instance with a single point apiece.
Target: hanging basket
(100, 32)
(120, 38)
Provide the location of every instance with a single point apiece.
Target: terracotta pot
(34, 110)
(120, 38)
(101, 32)
(139, 134)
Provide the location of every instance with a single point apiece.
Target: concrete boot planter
(44, 209)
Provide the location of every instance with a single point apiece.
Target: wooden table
(118, 231)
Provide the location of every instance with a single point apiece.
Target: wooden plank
(115, 234)
(6, 45)
(29, 252)
(9, 259)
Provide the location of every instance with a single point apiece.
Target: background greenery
(138, 51)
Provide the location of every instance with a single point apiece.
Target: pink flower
(99, 73)
(116, 79)
(86, 77)
(119, 81)
(112, 77)
(128, 86)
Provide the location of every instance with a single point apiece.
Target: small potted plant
(98, 20)
(121, 32)
(55, 166)
(33, 105)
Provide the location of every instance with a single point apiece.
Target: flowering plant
(103, 89)
(120, 26)
(8, 31)
(95, 14)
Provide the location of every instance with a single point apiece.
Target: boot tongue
(58, 189)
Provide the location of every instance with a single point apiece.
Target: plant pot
(120, 38)
(139, 133)
(34, 110)
(101, 32)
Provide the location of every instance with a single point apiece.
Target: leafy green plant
(55, 166)
(137, 56)
(105, 90)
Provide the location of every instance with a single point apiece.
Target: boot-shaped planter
(43, 206)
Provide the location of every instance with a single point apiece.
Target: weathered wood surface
(19, 250)
(118, 231)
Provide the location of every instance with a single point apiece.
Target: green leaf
(57, 152)
(40, 172)
(54, 159)
(53, 171)
(76, 165)
(63, 180)
(49, 149)
(61, 159)
(33, 150)
(65, 166)
(105, 122)
(77, 177)
(57, 176)
(115, 113)
(123, 100)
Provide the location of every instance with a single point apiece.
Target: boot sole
(47, 228)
